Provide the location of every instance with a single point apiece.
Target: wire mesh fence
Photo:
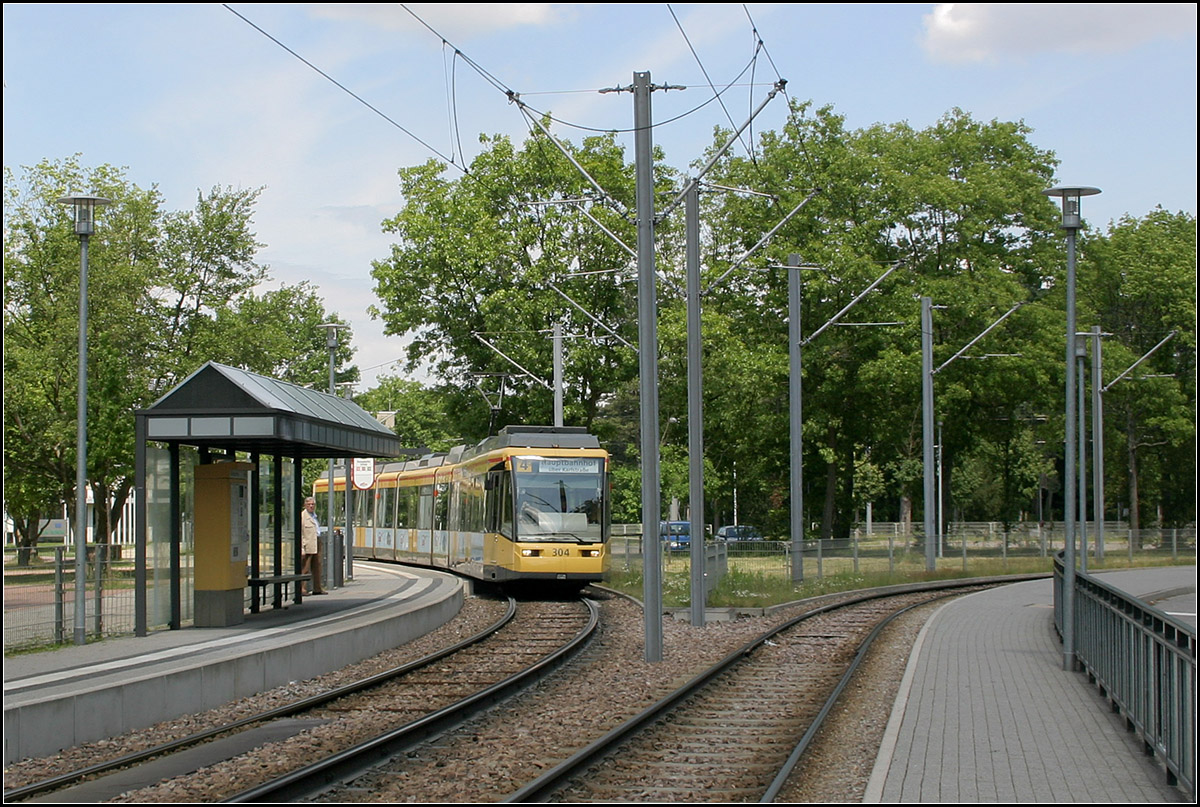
(39, 595)
(974, 547)
(40, 598)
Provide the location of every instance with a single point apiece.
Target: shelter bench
(281, 582)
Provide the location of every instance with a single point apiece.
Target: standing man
(310, 545)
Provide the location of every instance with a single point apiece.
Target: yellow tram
(528, 504)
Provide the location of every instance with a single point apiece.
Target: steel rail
(544, 786)
(785, 771)
(287, 710)
(307, 781)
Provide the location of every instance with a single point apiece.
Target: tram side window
(339, 507)
(456, 515)
(441, 506)
(406, 507)
(425, 509)
(364, 508)
(499, 503)
(470, 504)
(386, 515)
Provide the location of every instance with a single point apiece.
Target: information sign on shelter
(364, 473)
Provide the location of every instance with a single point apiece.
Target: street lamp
(85, 225)
(331, 342)
(1071, 222)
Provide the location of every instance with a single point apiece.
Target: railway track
(735, 731)
(541, 745)
(545, 634)
(342, 717)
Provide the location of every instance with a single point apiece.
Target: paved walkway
(986, 713)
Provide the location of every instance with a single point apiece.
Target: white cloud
(975, 32)
(458, 19)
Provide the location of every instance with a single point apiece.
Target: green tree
(1138, 281)
(960, 205)
(167, 291)
(278, 333)
(957, 205)
(41, 276)
(478, 258)
(417, 414)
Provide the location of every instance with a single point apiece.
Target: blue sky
(192, 96)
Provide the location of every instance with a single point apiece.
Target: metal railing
(1144, 662)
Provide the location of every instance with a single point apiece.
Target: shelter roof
(224, 407)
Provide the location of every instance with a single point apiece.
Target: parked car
(739, 532)
(677, 534)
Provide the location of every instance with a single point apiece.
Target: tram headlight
(590, 553)
(530, 553)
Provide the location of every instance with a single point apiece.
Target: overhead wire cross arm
(678, 200)
(604, 195)
(984, 333)
(1133, 366)
(588, 314)
(510, 360)
(833, 320)
(762, 241)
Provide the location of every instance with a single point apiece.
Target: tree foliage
(958, 206)
(167, 291)
(501, 254)
(1138, 283)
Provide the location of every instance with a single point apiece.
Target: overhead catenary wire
(656, 125)
(344, 88)
(452, 103)
(700, 64)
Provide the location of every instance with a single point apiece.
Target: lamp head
(1070, 195)
(331, 329)
(85, 211)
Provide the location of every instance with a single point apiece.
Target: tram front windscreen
(559, 498)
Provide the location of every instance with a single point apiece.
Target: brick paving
(987, 714)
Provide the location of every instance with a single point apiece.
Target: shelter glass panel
(158, 532)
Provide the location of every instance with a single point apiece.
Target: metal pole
(1071, 222)
(84, 208)
(1069, 464)
(796, 418)
(648, 367)
(927, 426)
(176, 551)
(558, 375)
(1098, 443)
(695, 401)
(140, 614)
(327, 571)
(941, 488)
(80, 622)
(349, 497)
(1080, 356)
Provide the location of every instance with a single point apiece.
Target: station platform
(985, 712)
(78, 694)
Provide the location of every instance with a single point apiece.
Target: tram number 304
(561, 552)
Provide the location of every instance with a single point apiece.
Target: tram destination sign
(558, 465)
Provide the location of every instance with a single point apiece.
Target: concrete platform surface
(986, 713)
(61, 698)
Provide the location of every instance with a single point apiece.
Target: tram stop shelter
(222, 411)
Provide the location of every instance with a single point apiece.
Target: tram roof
(540, 437)
(227, 408)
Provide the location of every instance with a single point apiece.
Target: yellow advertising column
(222, 542)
